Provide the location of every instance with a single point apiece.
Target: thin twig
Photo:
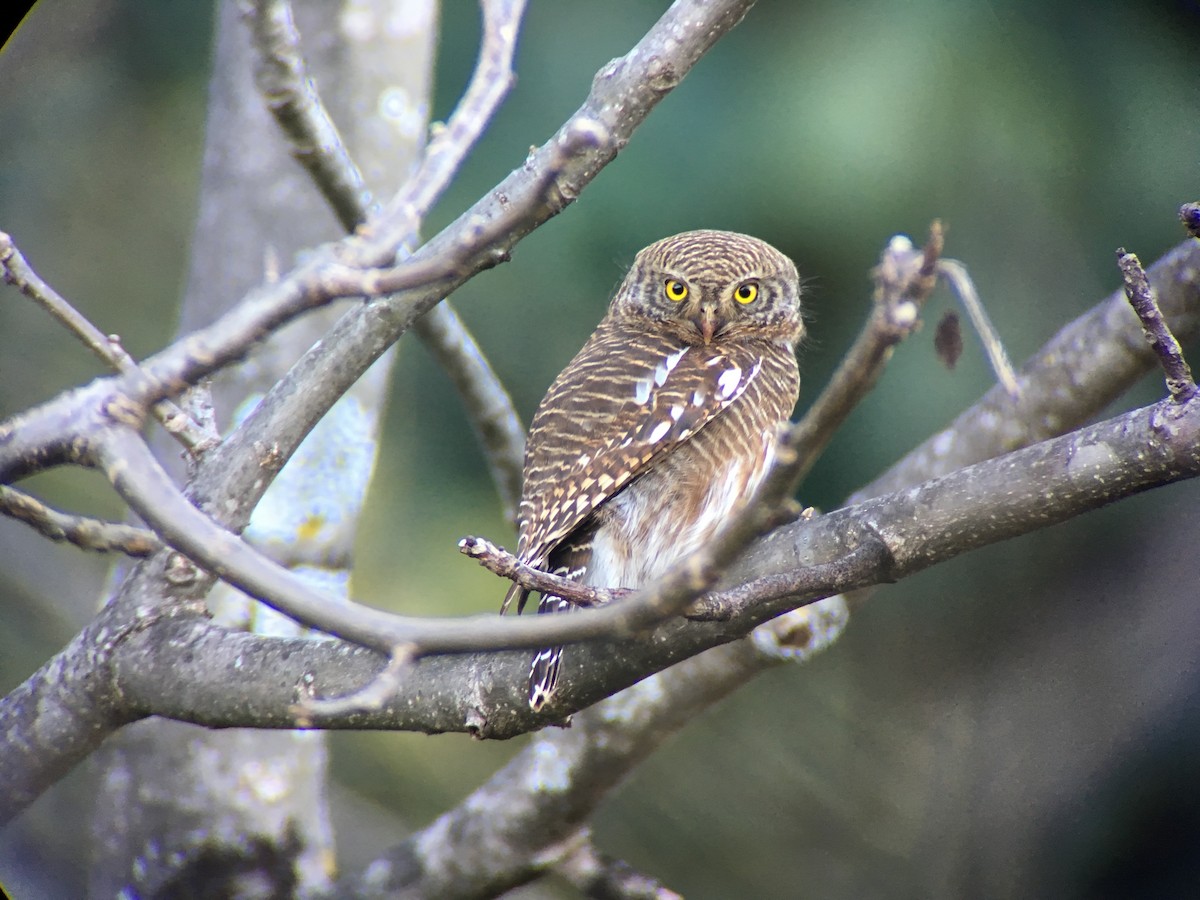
(490, 83)
(1180, 383)
(959, 280)
(18, 272)
(500, 562)
(904, 279)
(82, 531)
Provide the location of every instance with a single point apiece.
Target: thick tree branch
(881, 540)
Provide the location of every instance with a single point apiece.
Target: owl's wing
(622, 403)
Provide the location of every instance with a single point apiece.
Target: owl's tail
(543, 671)
(518, 593)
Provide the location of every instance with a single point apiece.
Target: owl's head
(714, 286)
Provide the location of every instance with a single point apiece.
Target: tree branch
(956, 276)
(1180, 383)
(904, 279)
(107, 347)
(82, 531)
(281, 75)
(881, 540)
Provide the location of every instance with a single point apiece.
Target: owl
(665, 422)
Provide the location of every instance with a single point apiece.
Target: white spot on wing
(728, 382)
(641, 390)
(664, 368)
(659, 432)
(697, 397)
(676, 412)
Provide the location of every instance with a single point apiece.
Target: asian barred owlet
(664, 423)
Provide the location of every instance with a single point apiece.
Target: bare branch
(488, 405)
(490, 83)
(711, 606)
(82, 531)
(282, 78)
(373, 695)
(17, 272)
(904, 280)
(1180, 383)
(1076, 374)
(500, 562)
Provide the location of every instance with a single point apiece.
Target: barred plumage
(664, 423)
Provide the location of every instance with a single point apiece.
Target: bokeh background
(1024, 721)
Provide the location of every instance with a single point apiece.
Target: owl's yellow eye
(676, 291)
(746, 293)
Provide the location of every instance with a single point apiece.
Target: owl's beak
(710, 323)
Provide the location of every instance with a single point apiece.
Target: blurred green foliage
(981, 729)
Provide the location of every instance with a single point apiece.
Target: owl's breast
(677, 507)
